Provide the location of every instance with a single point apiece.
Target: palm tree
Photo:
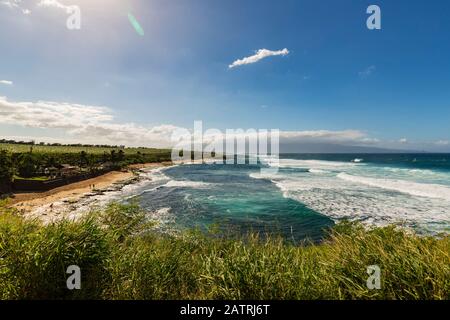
(121, 155)
(83, 159)
(28, 165)
(113, 156)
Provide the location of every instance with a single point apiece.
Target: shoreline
(28, 203)
(72, 200)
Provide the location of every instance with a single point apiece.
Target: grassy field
(122, 257)
(34, 178)
(21, 148)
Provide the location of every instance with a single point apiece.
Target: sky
(310, 68)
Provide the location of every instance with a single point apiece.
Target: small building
(106, 165)
(67, 170)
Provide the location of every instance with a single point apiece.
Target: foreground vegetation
(121, 256)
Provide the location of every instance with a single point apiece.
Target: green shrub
(122, 256)
(34, 258)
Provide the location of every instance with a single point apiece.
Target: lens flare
(135, 24)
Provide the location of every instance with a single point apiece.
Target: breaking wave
(412, 188)
(360, 191)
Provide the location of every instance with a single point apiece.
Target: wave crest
(409, 187)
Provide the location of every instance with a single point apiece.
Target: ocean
(308, 194)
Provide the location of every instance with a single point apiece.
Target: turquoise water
(308, 194)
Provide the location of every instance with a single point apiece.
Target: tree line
(32, 142)
(31, 164)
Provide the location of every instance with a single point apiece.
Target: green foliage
(122, 257)
(6, 167)
(42, 178)
(124, 221)
(34, 259)
(28, 165)
(31, 160)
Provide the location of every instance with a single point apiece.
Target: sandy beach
(29, 202)
(70, 200)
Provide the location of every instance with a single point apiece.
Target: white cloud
(11, 3)
(442, 143)
(403, 140)
(367, 72)
(259, 55)
(90, 124)
(6, 82)
(96, 124)
(370, 141)
(15, 4)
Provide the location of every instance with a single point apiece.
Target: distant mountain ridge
(336, 148)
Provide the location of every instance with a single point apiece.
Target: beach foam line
(179, 184)
(267, 176)
(311, 164)
(340, 199)
(319, 171)
(420, 173)
(413, 188)
(186, 184)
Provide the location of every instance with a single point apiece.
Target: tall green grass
(121, 256)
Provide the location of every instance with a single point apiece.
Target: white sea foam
(414, 172)
(368, 204)
(312, 164)
(260, 175)
(342, 192)
(148, 178)
(162, 215)
(179, 184)
(317, 171)
(186, 184)
(409, 187)
(154, 174)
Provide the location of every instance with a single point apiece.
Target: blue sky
(340, 82)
